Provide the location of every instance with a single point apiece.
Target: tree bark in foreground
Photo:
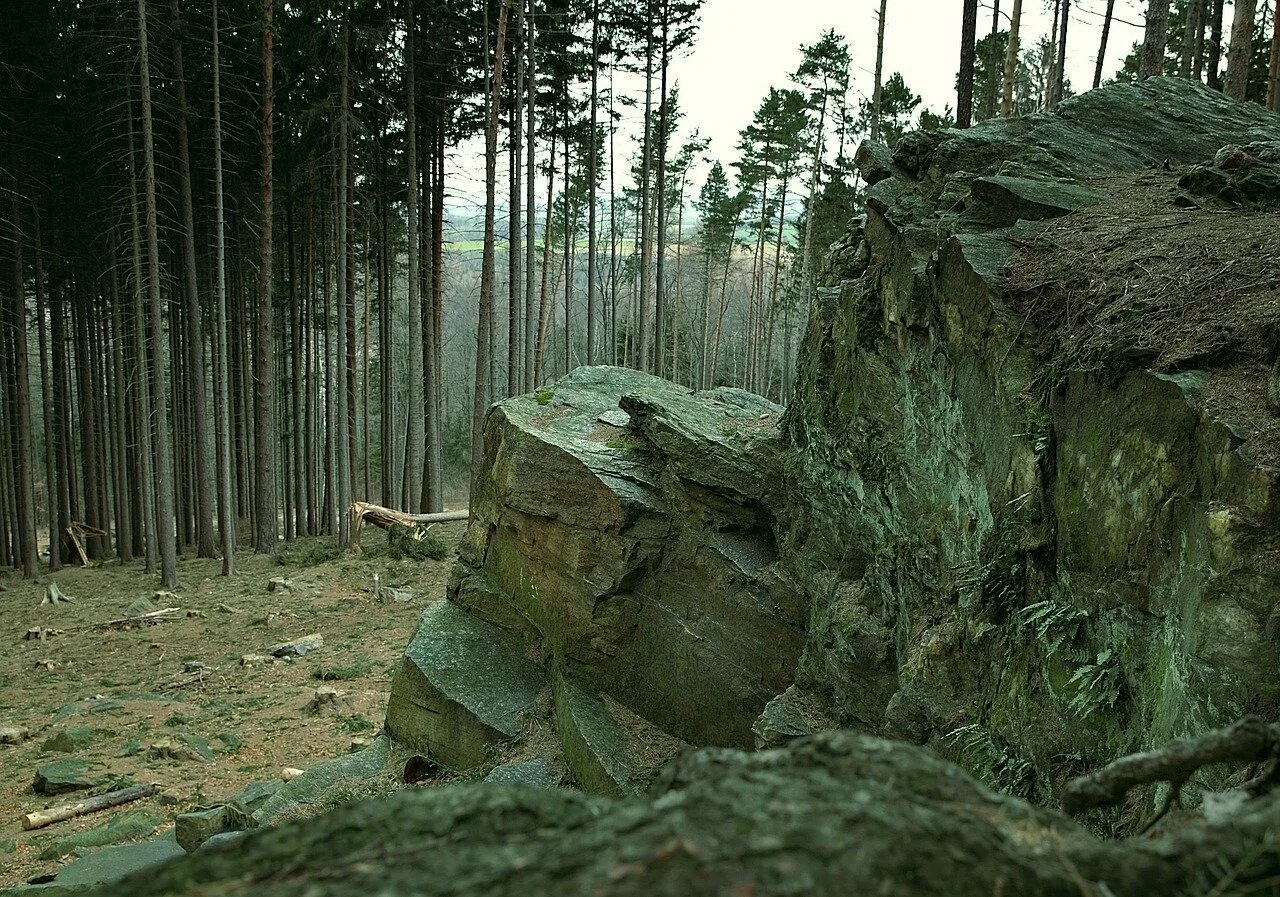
(1154, 39)
(1240, 52)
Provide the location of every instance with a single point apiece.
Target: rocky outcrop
(1031, 500)
(619, 577)
(833, 815)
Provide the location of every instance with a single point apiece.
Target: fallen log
(41, 818)
(156, 616)
(385, 518)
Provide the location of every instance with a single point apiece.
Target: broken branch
(1248, 741)
(41, 818)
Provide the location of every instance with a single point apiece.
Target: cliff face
(1031, 493)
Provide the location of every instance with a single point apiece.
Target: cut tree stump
(41, 818)
(53, 594)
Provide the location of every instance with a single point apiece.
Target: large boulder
(620, 562)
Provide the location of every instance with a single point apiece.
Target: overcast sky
(746, 46)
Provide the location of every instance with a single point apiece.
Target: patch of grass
(308, 553)
(355, 724)
(355, 670)
(625, 443)
(176, 720)
(728, 430)
(544, 396)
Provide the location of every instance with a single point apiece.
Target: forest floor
(134, 703)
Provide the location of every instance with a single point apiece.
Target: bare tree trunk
(968, 36)
(141, 379)
(342, 434)
(221, 382)
(643, 360)
(660, 210)
(46, 401)
(1189, 30)
(1240, 53)
(165, 535)
(1107, 18)
(593, 309)
(264, 480)
(878, 90)
(530, 318)
(1060, 63)
(1215, 45)
(1273, 76)
(205, 546)
(25, 497)
(1011, 60)
(515, 252)
(993, 60)
(480, 398)
(1154, 39)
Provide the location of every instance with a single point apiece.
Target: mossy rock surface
(833, 815)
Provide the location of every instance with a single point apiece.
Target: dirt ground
(136, 696)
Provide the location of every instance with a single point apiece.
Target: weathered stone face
(621, 545)
(1032, 560)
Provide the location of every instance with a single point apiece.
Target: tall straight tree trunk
(1273, 74)
(480, 399)
(413, 437)
(118, 418)
(877, 94)
(1060, 62)
(1240, 53)
(531, 211)
(515, 252)
(348, 211)
(1155, 36)
(968, 37)
(1107, 18)
(643, 360)
(432, 484)
(386, 351)
(141, 379)
(21, 409)
(204, 502)
(993, 61)
(226, 509)
(544, 300)
(815, 184)
(1215, 45)
(165, 534)
(593, 310)
(264, 393)
(52, 474)
(1190, 27)
(660, 206)
(344, 330)
(613, 228)
(1011, 60)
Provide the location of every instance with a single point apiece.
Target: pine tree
(1240, 55)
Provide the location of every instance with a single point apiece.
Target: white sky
(746, 46)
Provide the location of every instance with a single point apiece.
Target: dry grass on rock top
(1145, 282)
(134, 695)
